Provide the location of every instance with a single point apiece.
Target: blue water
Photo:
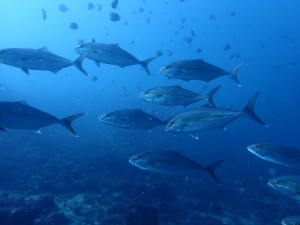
(95, 165)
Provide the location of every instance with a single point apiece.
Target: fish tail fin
(145, 63)
(78, 63)
(210, 95)
(66, 122)
(249, 110)
(211, 170)
(233, 73)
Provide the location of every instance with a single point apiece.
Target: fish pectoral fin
(97, 63)
(45, 49)
(25, 71)
(54, 71)
(121, 66)
(2, 129)
(194, 135)
(38, 131)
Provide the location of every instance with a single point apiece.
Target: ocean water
(55, 178)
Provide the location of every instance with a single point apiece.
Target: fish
(73, 26)
(114, 17)
(148, 20)
(20, 115)
(80, 42)
(227, 47)
(141, 10)
(63, 8)
(291, 220)
(43, 12)
(212, 17)
(131, 119)
(98, 7)
(199, 50)
(159, 53)
(111, 54)
(114, 4)
(94, 78)
(175, 95)
(172, 163)
(38, 59)
(169, 52)
(282, 155)
(206, 118)
(193, 33)
(189, 40)
(90, 6)
(288, 185)
(131, 42)
(197, 70)
(1, 87)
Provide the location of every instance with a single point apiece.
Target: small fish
(131, 119)
(175, 95)
(189, 40)
(288, 185)
(182, 20)
(235, 57)
(38, 59)
(199, 50)
(169, 53)
(232, 14)
(98, 7)
(94, 78)
(43, 12)
(282, 155)
(172, 163)
(181, 0)
(114, 4)
(212, 17)
(114, 17)
(125, 22)
(197, 70)
(291, 220)
(73, 26)
(124, 88)
(193, 33)
(19, 115)
(80, 42)
(141, 10)
(90, 6)
(159, 53)
(227, 47)
(63, 8)
(206, 118)
(148, 20)
(131, 42)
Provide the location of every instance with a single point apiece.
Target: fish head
(175, 125)
(260, 150)
(140, 161)
(283, 184)
(84, 48)
(106, 118)
(167, 71)
(147, 96)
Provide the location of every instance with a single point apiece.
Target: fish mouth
(163, 71)
(141, 96)
(102, 117)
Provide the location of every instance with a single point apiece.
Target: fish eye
(138, 158)
(278, 182)
(167, 67)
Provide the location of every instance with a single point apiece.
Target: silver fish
(205, 118)
(291, 220)
(172, 163)
(19, 115)
(279, 154)
(131, 119)
(197, 70)
(110, 54)
(288, 185)
(38, 59)
(175, 95)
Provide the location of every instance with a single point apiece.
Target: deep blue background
(264, 33)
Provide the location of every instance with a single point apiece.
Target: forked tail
(145, 63)
(78, 63)
(249, 110)
(66, 123)
(233, 73)
(210, 95)
(211, 170)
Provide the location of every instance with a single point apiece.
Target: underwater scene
(149, 112)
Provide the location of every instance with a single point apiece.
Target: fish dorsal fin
(45, 49)
(23, 102)
(139, 110)
(93, 40)
(200, 60)
(116, 45)
(176, 86)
